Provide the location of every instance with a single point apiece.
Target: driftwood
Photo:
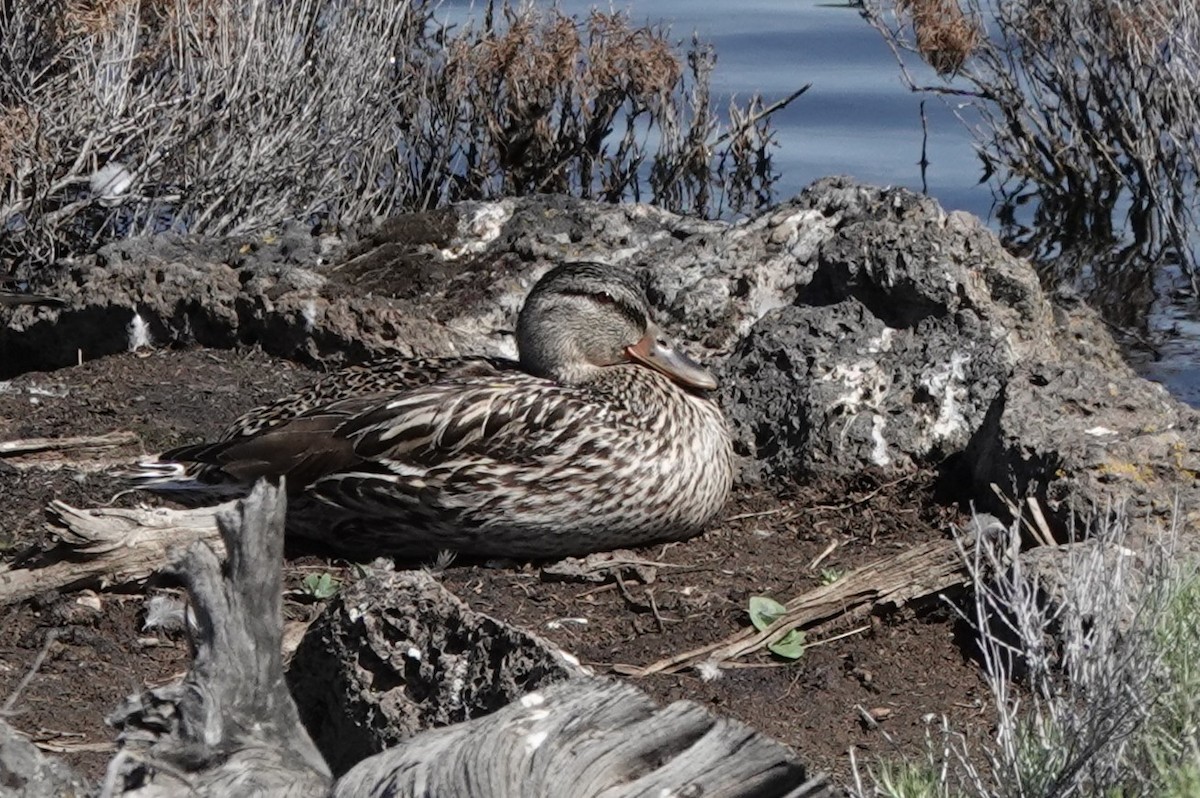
(920, 571)
(586, 737)
(27, 772)
(25, 446)
(231, 728)
(86, 453)
(107, 546)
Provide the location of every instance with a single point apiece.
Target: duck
(602, 434)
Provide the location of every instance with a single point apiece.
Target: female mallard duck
(602, 436)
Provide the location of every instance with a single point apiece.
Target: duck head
(581, 318)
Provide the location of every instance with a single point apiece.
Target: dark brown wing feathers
(303, 449)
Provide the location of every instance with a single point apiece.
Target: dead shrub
(225, 117)
(1087, 106)
(945, 36)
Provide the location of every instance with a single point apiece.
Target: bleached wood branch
(31, 445)
(107, 546)
(587, 738)
(917, 572)
(230, 727)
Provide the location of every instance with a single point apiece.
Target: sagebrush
(1084, 111)
(1092, 658)
(121, 117)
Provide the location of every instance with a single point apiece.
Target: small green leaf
(831, 575)
(321, 586)
(765, 611)
(791, 646)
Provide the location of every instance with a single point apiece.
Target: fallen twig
(866, 497)
(921, 571)
(820, 558)
(32, 445)
(51, 636)
(760, 514)
(1037, 527)
(74, 748)
(826, 640)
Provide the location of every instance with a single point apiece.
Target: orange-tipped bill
(655, 351)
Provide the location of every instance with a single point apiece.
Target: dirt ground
(909, 668)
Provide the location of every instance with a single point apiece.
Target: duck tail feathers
(178, 479)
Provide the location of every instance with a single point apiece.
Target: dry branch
(920, 571)
(106, 546)
(24, 446)
(1090, 103)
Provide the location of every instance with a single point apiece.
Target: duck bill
(655, 351)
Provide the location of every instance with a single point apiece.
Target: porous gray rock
(834, 389)
(218, 293)
(397, 653)
(1087, 442)
(896, 324)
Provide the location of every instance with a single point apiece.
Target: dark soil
(908, 668)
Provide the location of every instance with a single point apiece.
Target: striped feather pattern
(526, 468)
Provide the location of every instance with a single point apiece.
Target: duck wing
(375, 379)
(455, 447)
(302, 448)
(295, 435)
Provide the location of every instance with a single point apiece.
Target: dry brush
(220, 117)
(1086, 107)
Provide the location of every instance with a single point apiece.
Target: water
(1174, 327)
(860, 119)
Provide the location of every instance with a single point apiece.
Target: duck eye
(606, 299)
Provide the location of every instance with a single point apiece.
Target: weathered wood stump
(230, 727)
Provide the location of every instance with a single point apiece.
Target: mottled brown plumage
(602, 436)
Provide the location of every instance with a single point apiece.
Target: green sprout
(765, 611)
(321, 586)
(830, 575)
